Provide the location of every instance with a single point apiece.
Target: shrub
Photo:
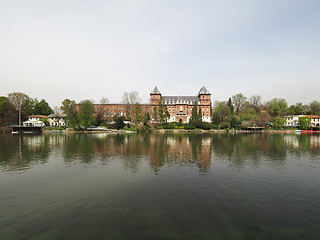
(224, 125)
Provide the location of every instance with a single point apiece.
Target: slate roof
(155, 91)
(203, 90)
(180, 100)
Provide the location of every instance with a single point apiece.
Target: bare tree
(104, 100)
(17, 99)
(130, 99)
(56, 109)
(255, 101)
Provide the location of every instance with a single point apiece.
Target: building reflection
(19, 153)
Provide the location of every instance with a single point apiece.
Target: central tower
(155, 96)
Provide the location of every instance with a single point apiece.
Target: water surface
(159, 186)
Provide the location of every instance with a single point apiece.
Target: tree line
(17, 106)
(236, 112)
(239, 111)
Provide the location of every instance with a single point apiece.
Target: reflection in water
(21, 152)
(159, 186)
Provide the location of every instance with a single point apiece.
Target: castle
(178, 107)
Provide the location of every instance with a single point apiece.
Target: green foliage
(304, 123)
(45, 121)
(238, 102)
(42, 108)
(277, 107)
(199, 117)
(66, 105)
(221, 113)
(224, 125)
(194, 112)
(278, 123)
(235, 122)
(296, 109)
(85, 115)
(119, 122)
(180, 122)
(230, 105)
(8, 113)
(163, 112)
(314, 108)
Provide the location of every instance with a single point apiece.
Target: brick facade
(178, 107)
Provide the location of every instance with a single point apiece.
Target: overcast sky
(82, 49)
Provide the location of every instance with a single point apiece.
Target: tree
(199, 117)
(155, 115)
(130, 99)
(136, 115)
(255, 102)
(194, 112)
(66, 105)
(119, 122)
(238, 102)
(146, 119)
(221, 113)
(104, 100)
(230, 105)
(71, 113)
(85, 114)
(163, 112)
(28, 107)
(17, 99)
(263, 119)
(314, 108)
(8, 113)
(43, 108)
(278, 122)
(277, 107)
(304, 122)
(297, 109)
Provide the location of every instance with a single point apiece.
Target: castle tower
(205, 104)
(204, 97)
(155, 96)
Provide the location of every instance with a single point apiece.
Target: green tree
(238, 102)
(85, 114)
(278, 122)
(296, 109)
(8, 113)
(221, 113)
(194, 112)
(199, 116)
(314, 108)
(163, 112)
(72, 115)
(304, 123)
(66, 105)
(277, 107)
(119, 122)
(230, 105)
(43, 108)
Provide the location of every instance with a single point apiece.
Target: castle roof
(203, 90)
(155, 91)
(189, 100)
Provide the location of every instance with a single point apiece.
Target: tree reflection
(21, 152)
(158, 150)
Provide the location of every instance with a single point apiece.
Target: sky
(81, 49)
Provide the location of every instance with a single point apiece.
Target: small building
(34, 121)
(57, 120)
(293, 120)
